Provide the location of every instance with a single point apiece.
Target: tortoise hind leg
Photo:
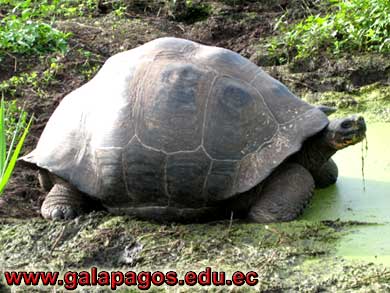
(63, 202)
(284, 196)
(326, 175)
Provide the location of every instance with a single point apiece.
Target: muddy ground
(289, 257)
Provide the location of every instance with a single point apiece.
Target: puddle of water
(347, 199)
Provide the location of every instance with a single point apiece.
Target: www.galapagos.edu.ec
(142, 280)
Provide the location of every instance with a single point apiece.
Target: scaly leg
(284, 196)
(63, 202)
(326, 175)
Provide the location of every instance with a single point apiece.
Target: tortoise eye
(346, 124)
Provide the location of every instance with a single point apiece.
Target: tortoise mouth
(352, 138)
(347, 131)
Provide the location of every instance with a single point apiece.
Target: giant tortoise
(178, 131)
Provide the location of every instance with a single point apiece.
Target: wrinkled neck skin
(315, 152)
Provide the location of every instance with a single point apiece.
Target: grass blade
(14, 138)
(14, 157)
(3, 143)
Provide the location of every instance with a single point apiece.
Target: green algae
(97, 239)
(36, 241)
(371, 101)
(349, 201)
(275, 251)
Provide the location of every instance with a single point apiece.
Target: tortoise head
(344, 132)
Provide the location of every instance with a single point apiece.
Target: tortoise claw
(57, 214)
(62, 203)
(63, 213)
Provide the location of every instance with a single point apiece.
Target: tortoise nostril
(361, 123)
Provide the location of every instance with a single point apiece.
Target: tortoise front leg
(284, 196)
(326, 175)
(63, 202)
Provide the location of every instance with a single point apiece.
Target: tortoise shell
(174, 123)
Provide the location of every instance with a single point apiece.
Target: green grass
(350, 26)
(11, 144)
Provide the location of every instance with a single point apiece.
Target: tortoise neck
(315, 152)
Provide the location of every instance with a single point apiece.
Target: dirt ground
(242, 26)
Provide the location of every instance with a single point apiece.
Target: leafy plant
(17, 82)
(24, 29)
(354, 25)
(11, 144)
(19, 36)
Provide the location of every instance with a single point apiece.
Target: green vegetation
(18, 36)
(21, 33)
(282, 254)
(358, 25)
(13, 132)
(182, 10)
(37, 81)
(47, 9)
(27, 27)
